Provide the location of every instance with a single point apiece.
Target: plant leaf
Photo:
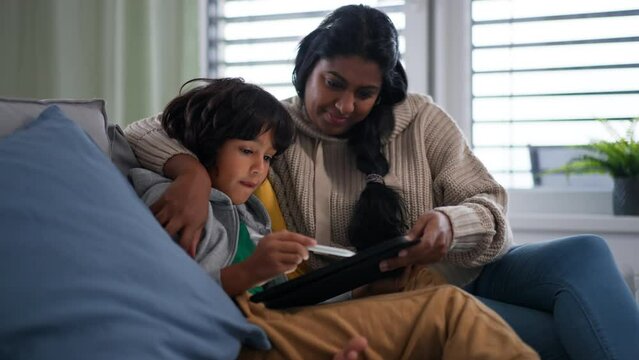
(619, 158)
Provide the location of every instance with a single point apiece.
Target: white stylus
(329, 250)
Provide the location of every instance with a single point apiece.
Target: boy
(235, 129)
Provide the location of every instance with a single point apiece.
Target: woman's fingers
(426, 252)
(157, 206)
(191, 239)
(173, 226)
(434, 232)
(417, 230)
(178, 223)
(403, 259)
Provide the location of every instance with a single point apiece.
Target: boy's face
(241, 166)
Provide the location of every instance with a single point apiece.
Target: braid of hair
(380, 212)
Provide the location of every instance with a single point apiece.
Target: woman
(371, 162)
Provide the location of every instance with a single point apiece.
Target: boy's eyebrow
(367, 87)
(269, 150)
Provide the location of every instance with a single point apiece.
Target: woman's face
(341, 92)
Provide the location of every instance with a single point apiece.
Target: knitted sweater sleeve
(151, 145)
(464, 190)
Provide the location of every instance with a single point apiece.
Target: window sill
(560, 201)
(575, 223)
(567, 211)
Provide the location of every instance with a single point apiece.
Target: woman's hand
(276, 253)
(183, 208)
(435, 233)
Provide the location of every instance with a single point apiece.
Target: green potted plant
(620, 159)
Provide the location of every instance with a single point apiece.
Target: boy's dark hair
(359, 30)
(206, 116)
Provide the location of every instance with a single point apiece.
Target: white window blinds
(543, 71)
(257, 39)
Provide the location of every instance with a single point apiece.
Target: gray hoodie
(218, 245)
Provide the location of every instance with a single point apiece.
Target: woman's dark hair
(206, 116)
(359, 30)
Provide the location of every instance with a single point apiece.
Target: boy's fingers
(303, 240)
(352, 349)
(295, 248)
(358, 343)
(299, 238)
(290, 260)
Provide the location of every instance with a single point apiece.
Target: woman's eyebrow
(337, 75)
(341, 78)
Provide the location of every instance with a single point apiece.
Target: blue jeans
(565, 298)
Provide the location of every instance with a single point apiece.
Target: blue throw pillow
(85, 270)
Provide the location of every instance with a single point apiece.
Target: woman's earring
(379, 100)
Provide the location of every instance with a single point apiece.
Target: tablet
(335, 279)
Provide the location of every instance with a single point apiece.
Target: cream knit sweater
(317, 183)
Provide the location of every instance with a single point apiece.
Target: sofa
(85, 270)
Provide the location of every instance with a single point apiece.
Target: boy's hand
(277, 253)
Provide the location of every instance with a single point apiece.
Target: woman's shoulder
(418, 100)
(413, 106)
(295, 108)
(417, 108)
(305, 128)
(292, 104)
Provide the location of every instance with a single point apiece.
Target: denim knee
(582, 251)
(591, 245)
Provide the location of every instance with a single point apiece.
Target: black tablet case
(335, 279)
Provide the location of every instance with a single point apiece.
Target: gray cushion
(122, 155)
(90, 115)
